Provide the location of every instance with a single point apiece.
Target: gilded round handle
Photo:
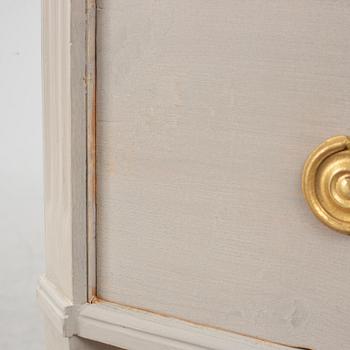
(326, 183)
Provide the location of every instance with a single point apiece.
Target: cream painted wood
(64, 28)
(131, 329)
(135, 329)
(65, 145)
(206, 111)
(62, 292)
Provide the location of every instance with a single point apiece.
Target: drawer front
(206, 112)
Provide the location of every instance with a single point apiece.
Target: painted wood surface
(206, 112)
(130, 328)
(64, 115)
(65, 145)
(135, 329)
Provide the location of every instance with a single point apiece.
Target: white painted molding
(134, 329)
(57, 308)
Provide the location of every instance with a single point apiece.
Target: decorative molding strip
(57, 308)
(134, 329)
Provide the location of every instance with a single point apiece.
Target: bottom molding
(57, 308)
(134, 329)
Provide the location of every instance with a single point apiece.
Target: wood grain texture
(65, 145)
(206, 111)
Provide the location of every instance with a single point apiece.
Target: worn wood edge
(57, 308)
(134, 329)
(91, 144)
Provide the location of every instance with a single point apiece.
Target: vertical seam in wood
(90, 76)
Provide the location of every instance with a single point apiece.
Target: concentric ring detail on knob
(326, 183)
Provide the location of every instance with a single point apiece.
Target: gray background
(21, 202)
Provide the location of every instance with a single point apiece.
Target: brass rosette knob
(326, 183)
